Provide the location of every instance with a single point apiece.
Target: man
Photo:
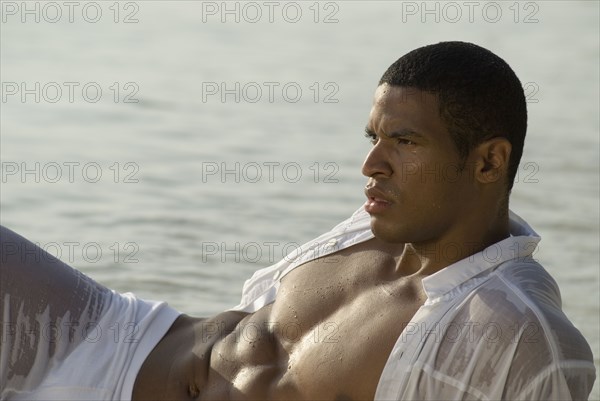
(428, 292)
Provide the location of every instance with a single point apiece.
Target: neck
(428, 257)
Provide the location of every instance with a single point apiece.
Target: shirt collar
(520, 245)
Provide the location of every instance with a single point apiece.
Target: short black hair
(480, 96)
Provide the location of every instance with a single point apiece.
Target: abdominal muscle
(327, 336)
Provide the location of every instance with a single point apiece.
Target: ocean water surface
(173, 148)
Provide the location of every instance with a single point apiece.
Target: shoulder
(523, 296)
(542, 354)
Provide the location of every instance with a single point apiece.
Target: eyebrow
(402, 133)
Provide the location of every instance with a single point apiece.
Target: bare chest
(339, 317)
(327, 335)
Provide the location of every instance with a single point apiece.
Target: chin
(387, 232)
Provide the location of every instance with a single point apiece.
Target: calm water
(165, 185)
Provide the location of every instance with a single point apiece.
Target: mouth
(377, 201)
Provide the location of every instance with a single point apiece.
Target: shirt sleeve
(568, 381)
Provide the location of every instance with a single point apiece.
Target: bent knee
(18, 253)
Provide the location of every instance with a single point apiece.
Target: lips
(377, 201)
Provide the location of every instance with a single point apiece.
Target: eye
(371, 137)
(404, 141)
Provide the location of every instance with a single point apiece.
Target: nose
(376, 162)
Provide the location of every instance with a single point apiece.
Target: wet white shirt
(491, 328)
(64, 336)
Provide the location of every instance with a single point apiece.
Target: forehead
(396, 107)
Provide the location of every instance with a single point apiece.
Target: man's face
(416, 191)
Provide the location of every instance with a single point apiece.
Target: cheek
(443, 175)
(452, 173)
(420, 165)
(409, 170)
(427, 180)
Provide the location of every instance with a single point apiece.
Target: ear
(491, 160)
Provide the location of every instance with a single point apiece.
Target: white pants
(65, 337)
